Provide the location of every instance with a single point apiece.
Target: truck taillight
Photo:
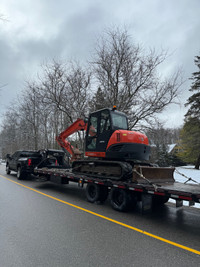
(29, 162)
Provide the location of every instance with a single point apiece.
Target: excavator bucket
(147, 174)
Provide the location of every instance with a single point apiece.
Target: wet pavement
(36, 230)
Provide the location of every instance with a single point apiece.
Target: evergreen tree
(190, 134)
(190, 141)
(162, 156)
(194, 100)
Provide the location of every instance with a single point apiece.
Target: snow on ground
(190, 172)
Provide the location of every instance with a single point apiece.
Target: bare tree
(47, 107)
(10, 131)
(129, 79)
(125, 75)
(78, 90)
(29, 113)
(66, 89)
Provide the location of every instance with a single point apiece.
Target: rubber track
(114, 170)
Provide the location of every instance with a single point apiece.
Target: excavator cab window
(119, 121)
(92, 133)
(105, 123)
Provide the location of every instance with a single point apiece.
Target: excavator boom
(78, 125)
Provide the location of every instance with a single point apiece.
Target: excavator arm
(78, 125)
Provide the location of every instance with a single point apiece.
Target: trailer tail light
(29, 162)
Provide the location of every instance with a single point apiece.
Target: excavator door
(98, 131)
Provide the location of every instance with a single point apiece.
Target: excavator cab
(101, 125)
(108, 136)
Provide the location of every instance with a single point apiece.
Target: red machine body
(107, 136)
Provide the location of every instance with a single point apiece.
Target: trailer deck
(175, 190)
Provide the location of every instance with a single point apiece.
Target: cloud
(38, 31)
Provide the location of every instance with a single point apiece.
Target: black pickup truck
(23, 162)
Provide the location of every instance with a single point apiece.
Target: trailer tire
(20, 173)
(7, 169)
(120, 199)
(93, 192)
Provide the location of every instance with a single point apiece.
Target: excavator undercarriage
(104, 169)
(119, 170)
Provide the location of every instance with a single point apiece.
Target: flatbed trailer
(125, 194)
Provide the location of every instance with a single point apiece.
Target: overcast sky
(35, 31)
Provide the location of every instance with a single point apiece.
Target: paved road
(36, 230)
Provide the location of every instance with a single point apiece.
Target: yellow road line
(109, 219)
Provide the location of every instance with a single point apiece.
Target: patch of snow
(189, 172)
(170, 147)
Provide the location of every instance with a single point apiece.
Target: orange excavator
(111, 150)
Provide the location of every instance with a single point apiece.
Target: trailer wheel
(120, 199)
(20, 174)
(93, 192)
(7, 169)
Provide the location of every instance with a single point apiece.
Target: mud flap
(179, 203)
(191, 203)
(147, 202)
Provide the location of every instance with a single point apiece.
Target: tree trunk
(197, 163)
